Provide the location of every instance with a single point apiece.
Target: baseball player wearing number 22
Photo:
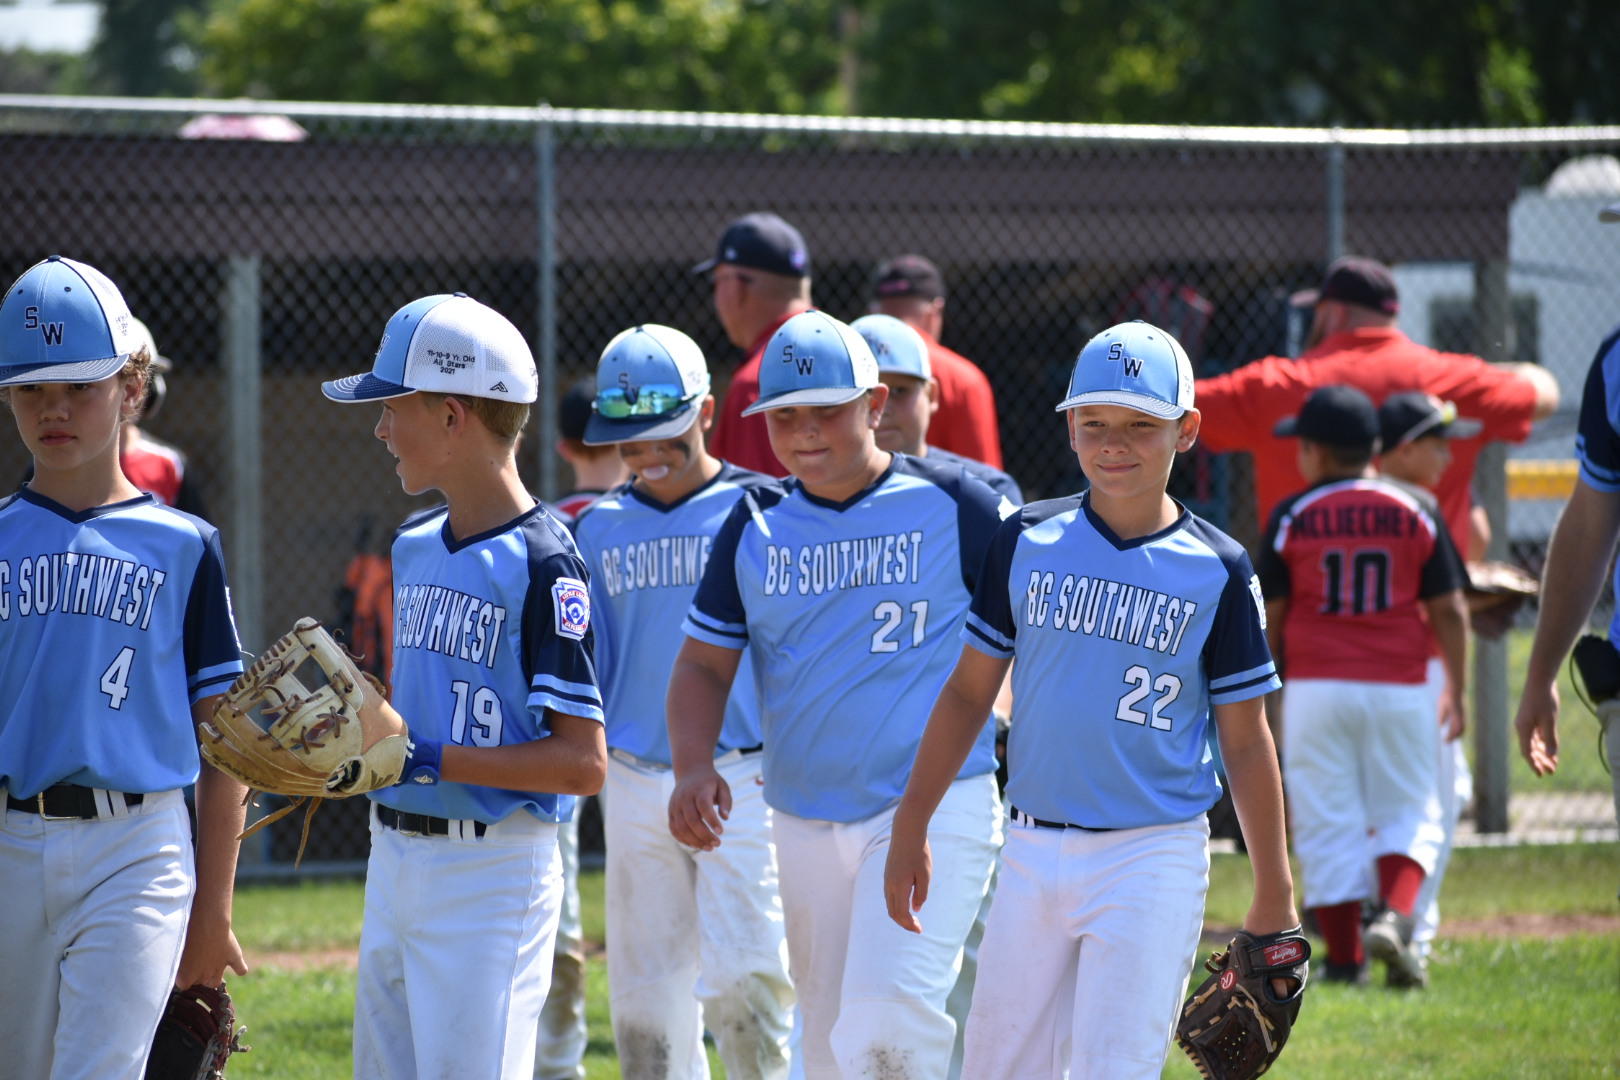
(1132, 621)
(495, 676)
(847, 591)
(115, 639)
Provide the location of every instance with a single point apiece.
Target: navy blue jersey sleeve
(990, 626)
(1272, 571)
(1444, 571)
(1236, 657)
(979, 513)
(213, 653)
(717, 615)
(1597, 440)
(559, 655)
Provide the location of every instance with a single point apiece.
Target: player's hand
(1262, 920)
(1453, 716)
(208, 952)
(1537, 725)
(698, 809)
(905, 881)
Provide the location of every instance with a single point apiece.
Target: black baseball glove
(1235, 1024)
(196, 1036)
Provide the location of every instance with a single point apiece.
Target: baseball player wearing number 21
(847, 592)
(494, 674)
(115, 639)
(1132, 621)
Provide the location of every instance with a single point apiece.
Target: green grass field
(1528, 1006)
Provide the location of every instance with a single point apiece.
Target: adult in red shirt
(761, 278)
(1353, 340)
(911, 288)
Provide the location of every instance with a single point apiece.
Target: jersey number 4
(115, 680)
(1142, 683)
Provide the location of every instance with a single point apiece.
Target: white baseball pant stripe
(455, 951)
(695, 937)
(1456, 791)
(872, 995)
(1087, 952)
(560, 1050)
(1360, 768)
(92, 923)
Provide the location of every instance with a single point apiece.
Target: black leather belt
(420, 824)
(1025, 819)
(67, 801)
(756, 748)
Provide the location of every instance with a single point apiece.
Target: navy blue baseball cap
(446, 344)
(814, 360)
(1134, 364)
(650, 384)
(1354, 280)
(64, 321)
(1411, 415)
(1337, 415)
(762, 241)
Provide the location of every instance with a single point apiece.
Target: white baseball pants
(1087, 951)
(560, 1051)
(872, 995)
(1456, 791)
(695, 938)
(92, 923)
(1360, 767)
(455, 951)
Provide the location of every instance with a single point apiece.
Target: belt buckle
(39, 802)
(413, 831)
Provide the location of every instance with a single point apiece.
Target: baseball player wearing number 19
(846, 591)
(1132, 621)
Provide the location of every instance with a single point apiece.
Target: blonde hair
(138, 367)
(504, 419)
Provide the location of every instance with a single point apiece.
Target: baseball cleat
(1389, 939)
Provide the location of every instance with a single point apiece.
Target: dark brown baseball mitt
(1495, 593)
(1235, 1024)
(196, 1036)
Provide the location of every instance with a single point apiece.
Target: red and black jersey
(1356, 558)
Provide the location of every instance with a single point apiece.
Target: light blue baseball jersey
(646, 559)
(113, 622)
(1597, 441)
(850, 613)
(1122, 646)
(489, 633)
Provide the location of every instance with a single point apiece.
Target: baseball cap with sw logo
(895, 345)
(1134, 364)
(446, 344)
(63, 321)
(650, 384)
(813, 360)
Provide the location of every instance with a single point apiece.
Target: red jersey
(1241, 407)
(744, 440)
(1355, 559)
(966, 421)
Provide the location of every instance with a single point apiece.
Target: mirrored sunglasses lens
(618, 404)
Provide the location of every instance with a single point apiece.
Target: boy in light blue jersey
(1132, 621)
(846, 588)
(493, 672)
(116, 639)
(697, 935)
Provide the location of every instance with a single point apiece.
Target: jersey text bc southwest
(1108, 609)
(894, 559)
(449, 622)
(78, 583)
(669, 562)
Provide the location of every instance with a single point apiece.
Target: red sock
(1399, 879)
(1341, 929)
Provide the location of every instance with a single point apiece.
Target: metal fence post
(1335, 198)
(1493, 340)
(546, 176)
(241, 360)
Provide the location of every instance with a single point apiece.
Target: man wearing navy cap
(761, 278)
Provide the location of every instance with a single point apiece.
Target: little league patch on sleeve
(573, 603)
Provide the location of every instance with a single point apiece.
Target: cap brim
(1464, 428)
(821, 396)
(1305, 298)
(81, 371)
(705, 266)
(1609, 214)
(1140, 402)
(1286, 428)
(604, 431)
(365, 387)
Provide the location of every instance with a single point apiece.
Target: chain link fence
(267, 244)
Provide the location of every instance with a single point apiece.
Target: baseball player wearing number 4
(845, 591)
(1132, 621)
(115, 640)
(493, 672)
(697, 935)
